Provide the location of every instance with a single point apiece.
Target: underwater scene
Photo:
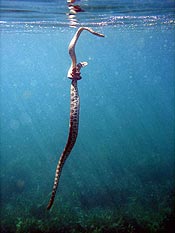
(119, 176)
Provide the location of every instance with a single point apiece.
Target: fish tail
(56, 180)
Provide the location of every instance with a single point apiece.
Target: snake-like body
(74, 75)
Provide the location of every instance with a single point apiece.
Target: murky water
(120, 175)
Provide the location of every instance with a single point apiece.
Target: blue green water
(120, 175)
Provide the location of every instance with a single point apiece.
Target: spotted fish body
(74, 75)
(73, 132)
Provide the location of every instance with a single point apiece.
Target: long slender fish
(74, 75)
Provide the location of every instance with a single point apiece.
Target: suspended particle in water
(14, 124)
